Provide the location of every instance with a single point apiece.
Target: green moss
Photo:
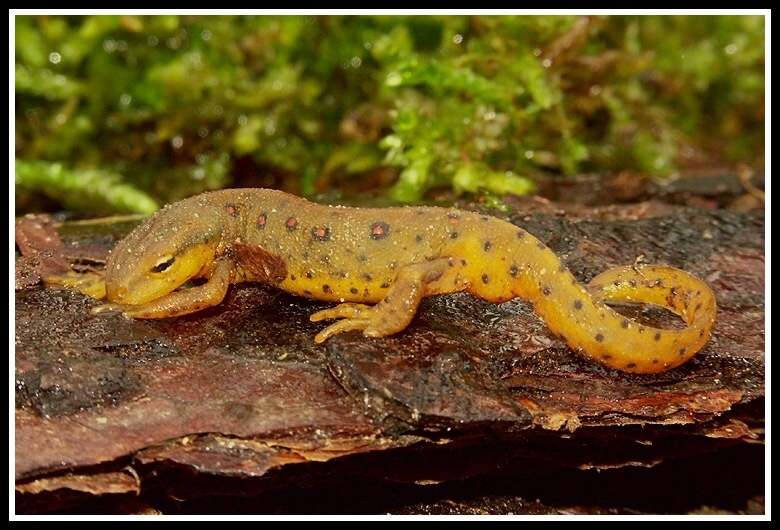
(90, 190)
(176, 105)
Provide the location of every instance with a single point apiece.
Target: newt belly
(379, 264)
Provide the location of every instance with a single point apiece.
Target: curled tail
(581, 317)
(647, 349)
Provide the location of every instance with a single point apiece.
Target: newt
(379, 263)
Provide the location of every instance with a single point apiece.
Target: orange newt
(379, 264)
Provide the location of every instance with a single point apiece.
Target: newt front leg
(184, 301)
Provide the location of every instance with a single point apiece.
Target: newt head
(162, 254)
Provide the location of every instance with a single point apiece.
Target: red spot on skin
(262, 219)
(320, 233)
(231, 210)
(454, 218)
(379, 230)
(292, 223)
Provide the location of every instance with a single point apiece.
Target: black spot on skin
(606, 357)
(231, 209)
(488, 245)
(367, 277)
(698, 306)
(379, 230)
(309, 275)
(513, 271)
(701, 333)
(386, 299)
(657, 336)
(326, 289)
(632, 283)
(484, 218)
(320, 233)
(599, 337)
(418, 238)
(485, 278)
(262, 220)
(362, 258)
(453, 217)
(521, 234)
(454, 235)
(450, 262)
(682, 352)
(655, 361)
(292, 277)
(463, 262)
(325, 259)
(384, 285)
(578, 304)
(307, 292)
(541, 246)
(353, 290)
(641, 329)
(291, 224)
(673, 291)
(624, 324)
(631, 365)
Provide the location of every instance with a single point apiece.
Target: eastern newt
(379, 264)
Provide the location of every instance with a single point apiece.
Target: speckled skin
(379, 264)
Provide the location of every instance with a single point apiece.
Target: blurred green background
(125, 113)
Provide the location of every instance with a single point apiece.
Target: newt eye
(164, 264)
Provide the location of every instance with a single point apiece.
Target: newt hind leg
(355, 317)
(394, 312)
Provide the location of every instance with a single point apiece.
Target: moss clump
(176, 105)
